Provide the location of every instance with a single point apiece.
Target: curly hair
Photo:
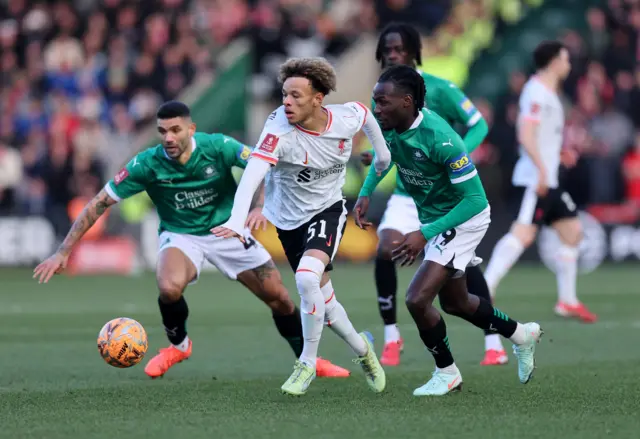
(318, 71)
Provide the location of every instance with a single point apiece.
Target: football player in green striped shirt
(400, 44)
(454, 214)
(188, 177)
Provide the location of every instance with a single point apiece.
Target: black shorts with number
(322, 232)
(556, 205)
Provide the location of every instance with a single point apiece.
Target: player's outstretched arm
(371, 129)
(476, 134)
(87, 218)
(371, 182)
(460, 108)
(253, 175)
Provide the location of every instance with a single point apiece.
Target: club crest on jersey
(419, 156)
(467, 106)
(120, 176)
(269, 143)
(460, 164)
(209, 171)
(535, 108)
(341, 147)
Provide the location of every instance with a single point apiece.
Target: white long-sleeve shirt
(308, 168)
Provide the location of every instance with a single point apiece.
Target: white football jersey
(309, 168)
(541, 104)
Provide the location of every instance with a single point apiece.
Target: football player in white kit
(543, 202)
(306, 146)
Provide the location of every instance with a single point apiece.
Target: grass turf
(53, 383)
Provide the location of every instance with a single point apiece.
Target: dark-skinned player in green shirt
(400, 44)
(454, 215)
(188, 177)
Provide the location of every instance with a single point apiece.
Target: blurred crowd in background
(80, 79)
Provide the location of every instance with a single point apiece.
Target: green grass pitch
(53, 383)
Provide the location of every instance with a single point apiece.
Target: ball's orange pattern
(122, 342)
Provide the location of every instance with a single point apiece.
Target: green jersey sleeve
(234, 152)
(372, 180)
(130, 180)
(464, 180)
(451, 152)
(457, 106)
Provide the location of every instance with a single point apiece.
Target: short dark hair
(318, 71)
(546, 52)
(410, 40)
(409, 80)
(172, 109)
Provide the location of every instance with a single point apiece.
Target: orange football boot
(578, 311)
(493, 357)
(324, 368)
(166, 358)
(391, 353)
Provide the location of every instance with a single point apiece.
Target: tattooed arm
(81, 225)
(85, 220)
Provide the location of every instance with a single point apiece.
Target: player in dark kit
(400, 44)
(454, 215)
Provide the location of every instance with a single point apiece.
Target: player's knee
(575, 236)
(307, 280)
(384, 251)
(525, 233)
(170, 289)
(308, 275)
(385, 244)
(415, 303)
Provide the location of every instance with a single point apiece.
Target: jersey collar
(417, 122)
(193, 148)
(315, 133)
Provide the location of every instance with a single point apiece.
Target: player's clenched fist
(52, 265)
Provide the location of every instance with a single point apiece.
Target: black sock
(488, 317)
(477, 285)
(174, 319)
(290, 328)
(437, 342)
(387, 286)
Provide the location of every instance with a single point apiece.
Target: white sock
(506, 253)
(336, 318)
(184, 345)
(312, 309)
(567, 271)
(493, 342)
(451, 369)
(520, 335)
(391, 333)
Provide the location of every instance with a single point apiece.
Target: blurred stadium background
(80, 81)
